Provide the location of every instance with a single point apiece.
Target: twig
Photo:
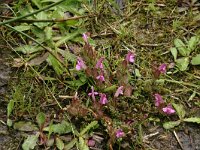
(35, 12)
(48, 20)
(178, 140)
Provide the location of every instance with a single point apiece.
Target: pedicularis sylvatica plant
(107, 86)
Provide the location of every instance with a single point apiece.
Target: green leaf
(171, 124)
(196, 60)
(71, 144)
(48, 32)
(180, 110)
(61, 128)
(30, 142)
(68, 37)
(192, 43)
(88, 127)
(28, 49)
(41, 119)
(59, 144)
(41, 16)
(82, 144)
(25, 126)
(182, 63)
(67, 55)
(137, 73)
(57, 66)
(174, 52)
(9, 122)
(110, 88)
(192, 119)
(23, 27)
(181, 47)
(10, 107)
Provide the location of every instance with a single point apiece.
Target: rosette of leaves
(185, 49)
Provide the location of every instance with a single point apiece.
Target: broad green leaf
(196, 60)
(30, 142)
(180, 110)
(23, 27)
(192, 43)
(57, 66)
(28, 49)
(60, 128)
(182, 63)
(171, 124)
(75, 83)
(181, 47)
(137, 73)
(110, 88)
(25, 126)
(59, 144)
(67, 55)
(70, 144)
(40, 119)
(41, 16)
(82, 144)
(192, 119)
(88, 127)
(10, 107)
(68, 37)
(48, 32)
(9, 122)
(174, 52)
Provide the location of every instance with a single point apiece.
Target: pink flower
(91, 142)
(103, 99)
(168, 110)
(93, 93)
(85, 38)
(100, 63)
(119, 91)
(100, 77)
(130, 57)
(162, 68)
(80, 64)
(158, 100)
(119, 133)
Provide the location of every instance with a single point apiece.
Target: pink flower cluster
(99, 65)
(158, 101)
(103, 97)
(130, 57)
